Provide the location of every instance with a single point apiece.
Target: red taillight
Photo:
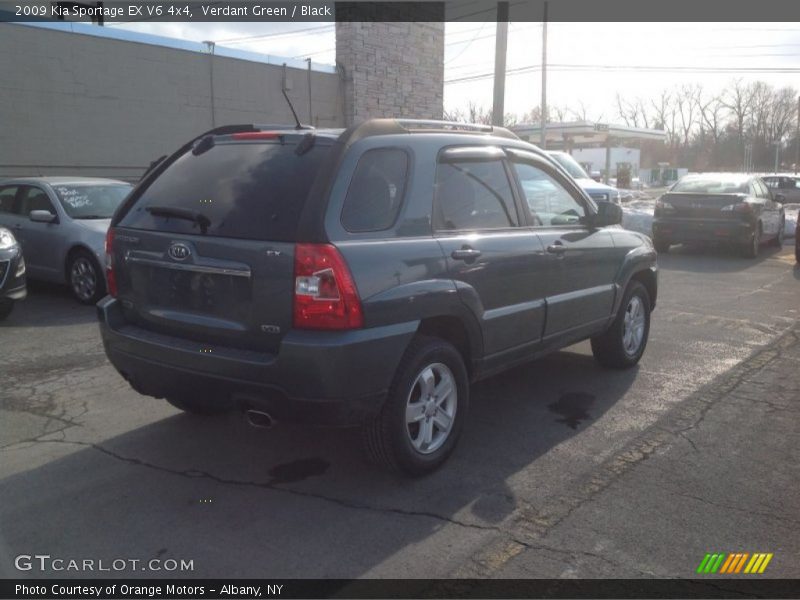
(111, 278)
(256, 135)
(325, 295)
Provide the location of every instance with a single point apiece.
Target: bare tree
(738, 100)
(686, 107)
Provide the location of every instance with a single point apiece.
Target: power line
(563, 67)
(276, 34)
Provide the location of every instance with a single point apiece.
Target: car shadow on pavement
(299, 502)
(55, 302)
(725, 258)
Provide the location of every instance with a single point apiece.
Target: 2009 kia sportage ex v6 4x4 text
(364, 277)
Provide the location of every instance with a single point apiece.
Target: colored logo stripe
(734, 562)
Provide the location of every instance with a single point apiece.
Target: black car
(12, 273)
(719, 207)
(364, 277)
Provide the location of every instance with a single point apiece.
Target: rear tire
(661, 245)
(6, 306)
(85, 277)
(623, 344)
(777, 241)
(750, 250)
(424, 413)
(199, 406)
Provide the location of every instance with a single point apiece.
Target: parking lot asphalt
(565, 469)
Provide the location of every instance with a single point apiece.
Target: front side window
(551, 205)
(7, 196)
(474, 195)
(36, 199)
(376, 191)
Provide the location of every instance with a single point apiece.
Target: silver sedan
(61, 223)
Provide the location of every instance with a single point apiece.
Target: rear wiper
(92, 217)
(181, 213)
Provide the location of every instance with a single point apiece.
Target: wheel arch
(454, 330)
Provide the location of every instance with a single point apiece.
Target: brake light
(325, 295)
(664, 205)
(740, 207)
(111, 278)
(256, 135)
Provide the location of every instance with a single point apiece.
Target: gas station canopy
(584, 133)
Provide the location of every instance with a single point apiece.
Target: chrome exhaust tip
(260, 419)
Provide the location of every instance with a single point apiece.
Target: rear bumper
(702, 230)
(321, 378)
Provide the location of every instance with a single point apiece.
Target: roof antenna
(289, 102)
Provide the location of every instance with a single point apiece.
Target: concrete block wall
(391, 69)
(74, 104)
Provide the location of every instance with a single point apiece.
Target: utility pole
(211, 46)
(500, 49)
(543, 140)
(797, 140)
(777, 153)
(310, 116)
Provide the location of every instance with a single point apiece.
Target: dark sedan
(12, 273)
(719, 207)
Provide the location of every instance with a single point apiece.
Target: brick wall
(391, 69)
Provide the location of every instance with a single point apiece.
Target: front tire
(6, 306)
(198, 405)
(623, 344)
(85, 278)
(424, 412)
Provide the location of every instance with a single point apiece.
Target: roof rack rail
(429, 125)
(282, 126)
(445, 125)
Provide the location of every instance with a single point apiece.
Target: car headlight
(7, 240)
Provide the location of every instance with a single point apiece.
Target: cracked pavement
(565, 469)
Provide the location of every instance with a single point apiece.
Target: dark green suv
(364, 277)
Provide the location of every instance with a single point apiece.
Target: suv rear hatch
(206, 250)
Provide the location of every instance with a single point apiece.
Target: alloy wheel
(431, 408)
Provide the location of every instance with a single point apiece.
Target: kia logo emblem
(179, 251)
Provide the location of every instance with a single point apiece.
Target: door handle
(465, 253)
(557, 248)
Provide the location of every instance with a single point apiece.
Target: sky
(588, 63)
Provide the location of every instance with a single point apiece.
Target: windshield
(710, 185)
(570, 164)
(92, 201)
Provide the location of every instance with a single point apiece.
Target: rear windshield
(710, 186)
(245, 190)
(91, 201)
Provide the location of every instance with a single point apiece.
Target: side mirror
(608, 213)
(42, 216)
(779, 198)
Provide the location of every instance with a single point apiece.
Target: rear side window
(473, 195)
(246, 190)
(376, 191)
